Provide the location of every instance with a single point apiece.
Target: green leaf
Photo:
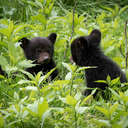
(1, 121)
(81, 110)
(103, 110)
(70, 100)
(123, 9)
(26, 64)
(101, 81)
(25, 82)
(108, 80)
(86, 99)
(16, 96)
(113, 108)
(69, 67)
(115, 81)
(41, 18)
(18, 28)
(37, 77)
(84, 68)
(42, 108)
(29, 88)
(102, 123)
(68, 76)
(43, 78)
(117, 96)
(28, 74)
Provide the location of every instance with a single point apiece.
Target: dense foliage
(60, 103)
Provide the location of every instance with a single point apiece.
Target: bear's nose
(43, 58)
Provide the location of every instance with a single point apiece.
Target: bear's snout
(43, 58)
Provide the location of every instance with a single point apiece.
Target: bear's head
(85, 46)
(39, 49)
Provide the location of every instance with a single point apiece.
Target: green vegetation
(60, 103)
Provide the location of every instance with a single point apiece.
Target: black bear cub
(86, 51)
(40, 50)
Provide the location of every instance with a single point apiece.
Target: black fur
(2, 72)
(40, 50)
(86, 52)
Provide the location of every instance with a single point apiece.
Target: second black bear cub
(40, 50)
(86, 52)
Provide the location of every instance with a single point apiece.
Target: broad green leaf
(61, 82)
(41, 18)
(42, 108)
(71, 100)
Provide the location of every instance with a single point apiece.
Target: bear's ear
(95, 37)
(24, 42)
(52, 37)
